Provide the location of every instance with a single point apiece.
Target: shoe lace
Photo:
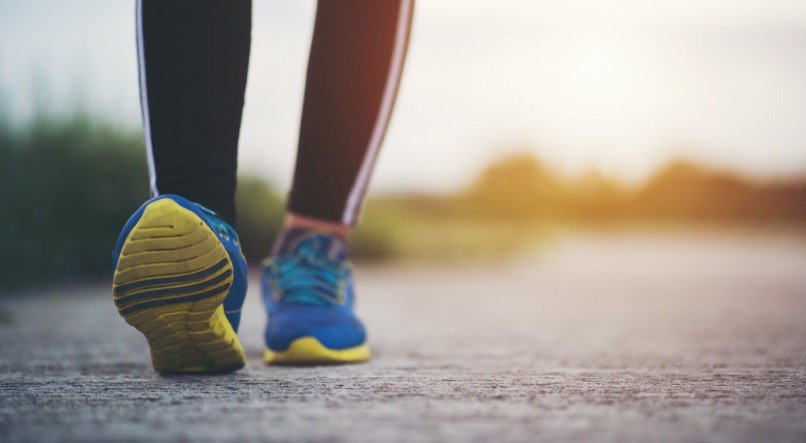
(306, 278)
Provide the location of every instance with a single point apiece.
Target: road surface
(597, 338)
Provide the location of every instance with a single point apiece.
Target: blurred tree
(516, 186)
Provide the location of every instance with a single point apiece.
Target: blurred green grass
(68, 184)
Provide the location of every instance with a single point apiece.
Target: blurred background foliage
(67, 185)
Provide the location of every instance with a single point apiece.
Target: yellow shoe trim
(308, 350)
(170, 283)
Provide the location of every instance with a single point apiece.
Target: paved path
(637, 338)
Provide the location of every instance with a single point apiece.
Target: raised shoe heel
(171, 279)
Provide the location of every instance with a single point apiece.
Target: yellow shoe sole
(170, 283)
(309, 351)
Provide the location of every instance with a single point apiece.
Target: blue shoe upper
(225, 233)
(308, 292)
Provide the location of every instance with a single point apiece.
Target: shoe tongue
(296, 240)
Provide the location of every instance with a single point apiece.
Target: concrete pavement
(596, 338)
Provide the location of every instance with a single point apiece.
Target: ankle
(295, 222)
(292, 221)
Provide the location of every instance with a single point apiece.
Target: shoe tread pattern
(170, 283)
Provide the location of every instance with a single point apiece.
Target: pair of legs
(194, 56)
(180, 277)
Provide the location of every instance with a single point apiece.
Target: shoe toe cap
(333, 328)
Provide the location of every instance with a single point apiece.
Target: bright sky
(620, 86)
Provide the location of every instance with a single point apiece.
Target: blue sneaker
(180, 279)
(308, 292)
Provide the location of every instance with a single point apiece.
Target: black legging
(193, 58)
